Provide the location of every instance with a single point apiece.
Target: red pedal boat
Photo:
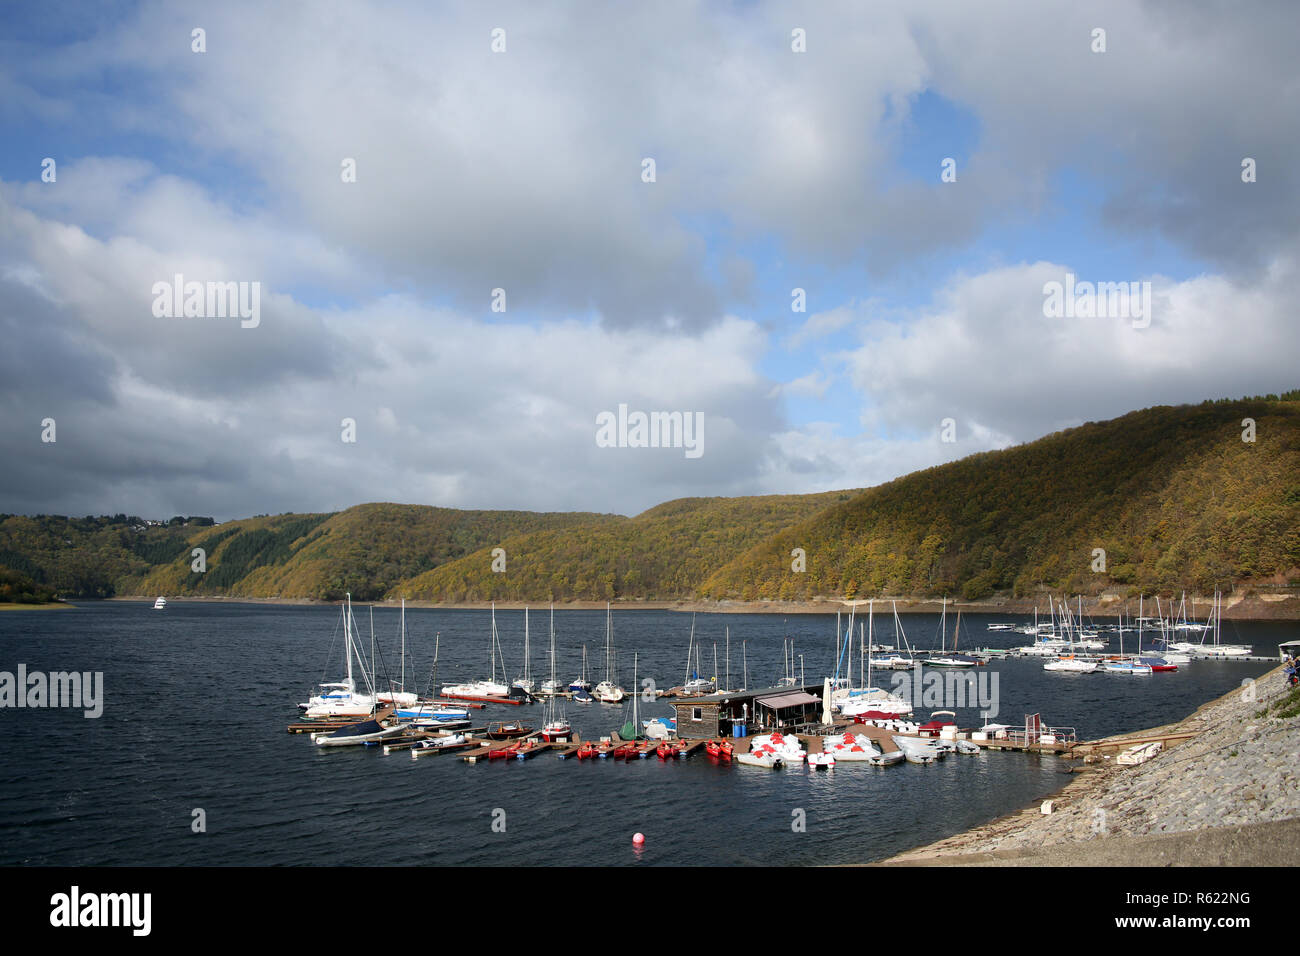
(502, 753)
(665, 751)
(587, 751)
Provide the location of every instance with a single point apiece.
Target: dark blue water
(197, 698)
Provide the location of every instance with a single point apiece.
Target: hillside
(366, 549)
(1173, 495)
(661, 554)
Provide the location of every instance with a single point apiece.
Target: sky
(504, 146)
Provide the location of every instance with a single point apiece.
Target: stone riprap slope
(1240, 768)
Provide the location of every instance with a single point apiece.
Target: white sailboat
(526, 683)
(483, 688)
(399, 697)
(694, 685)
(557, 726)
(608, 691)
(868, 699)
(341, 698)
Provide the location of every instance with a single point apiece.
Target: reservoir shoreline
(1160, 813)
(1255, 607)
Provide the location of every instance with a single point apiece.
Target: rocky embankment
(1223, 796)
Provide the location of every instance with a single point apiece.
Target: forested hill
(367, 550)
(1173, 496)
(661, 554)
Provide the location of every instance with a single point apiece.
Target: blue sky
(776, 170)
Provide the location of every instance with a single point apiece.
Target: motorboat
(917, 750)
(1071, 665)
(434, 744)
(160, 604)
(362, 732)
(1127, 667)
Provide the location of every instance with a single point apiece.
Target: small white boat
(918, 750)
(821, 761)
(1139, 754)
(478, 688)
(887, 760)
(1128, 667)
(160, 604)
(362, 732)
(767, 759)
(1071, 665)
(425, 747)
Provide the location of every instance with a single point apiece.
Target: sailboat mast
(347, 643)
(871, 636)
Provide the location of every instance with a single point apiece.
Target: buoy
(638, 839)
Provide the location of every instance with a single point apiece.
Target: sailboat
(1124, 665)
(952, 659)
(631, 728)
(608, 691)
(482, 688)
(694, 685)
(895, 660)
(868, 699)
(1217, 649)
(398, 698)
(581, 688)
(426, 714)
(556, 726)
(340, 698)
(526, 682)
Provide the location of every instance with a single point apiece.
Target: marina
(694, 805)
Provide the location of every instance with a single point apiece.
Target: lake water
(197, 698)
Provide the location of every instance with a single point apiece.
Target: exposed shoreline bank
(1219, 798)
(1258, 607)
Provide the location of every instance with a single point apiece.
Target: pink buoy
(638, 839)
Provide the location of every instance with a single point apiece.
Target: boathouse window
(697, 713)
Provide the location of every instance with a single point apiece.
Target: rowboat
(722, 750)
(665, 751)
(504, 731)
(587, 751)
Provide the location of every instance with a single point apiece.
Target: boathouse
(743, 713)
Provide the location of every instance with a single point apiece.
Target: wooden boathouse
(743, 713)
